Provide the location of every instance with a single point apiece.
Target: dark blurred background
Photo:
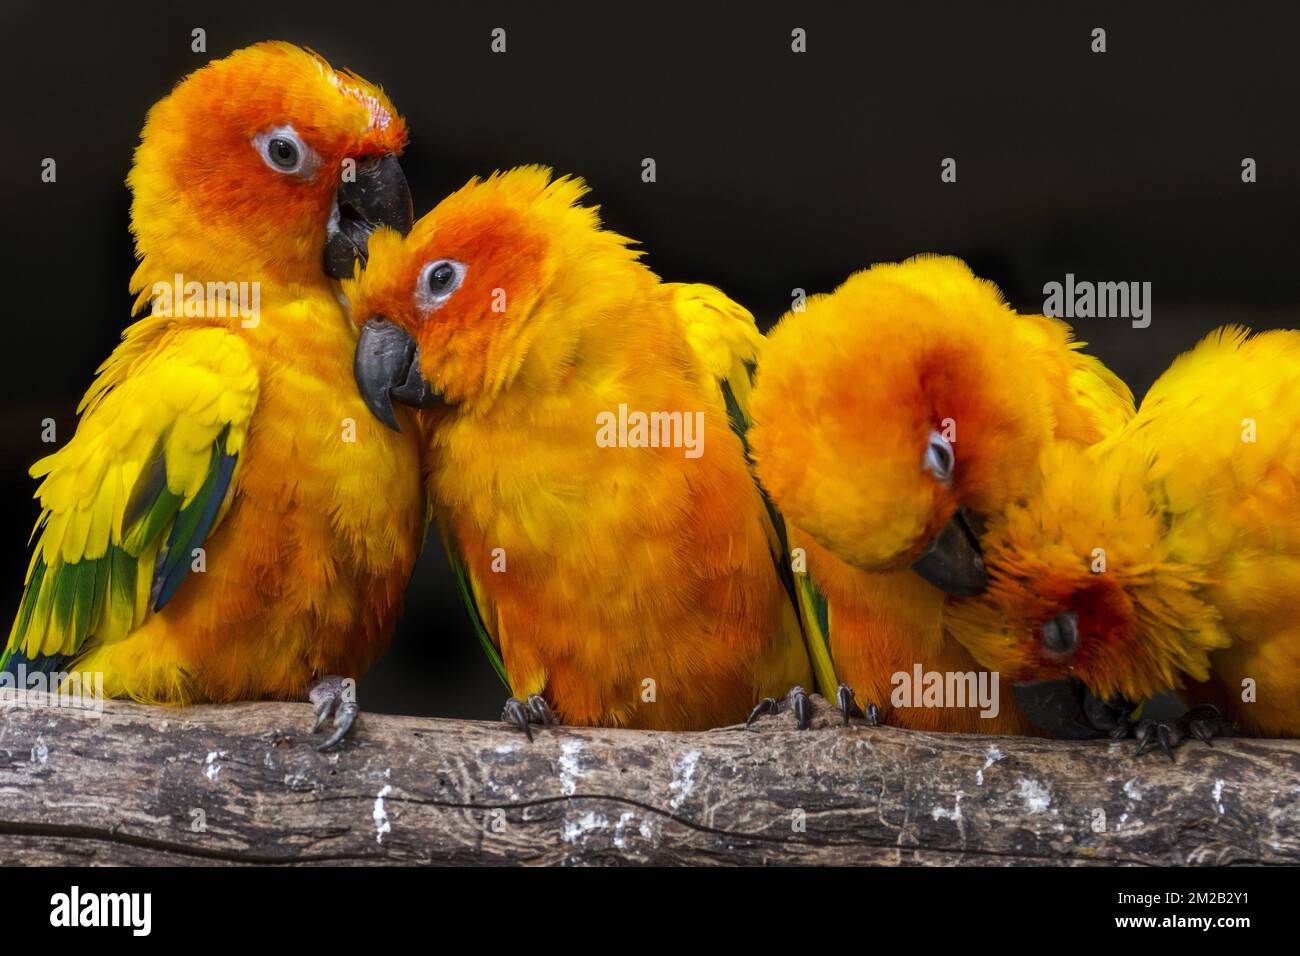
(775, 170)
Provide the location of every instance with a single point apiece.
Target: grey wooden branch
(244, 784)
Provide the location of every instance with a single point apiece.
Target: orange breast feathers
(633, 586)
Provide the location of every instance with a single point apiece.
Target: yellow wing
(143, 481)
(1093, 402)
(722, 333)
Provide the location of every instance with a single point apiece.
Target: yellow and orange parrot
(1167, 556)
(889, 418)
(619, 561)
(225, 435)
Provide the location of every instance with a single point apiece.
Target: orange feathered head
(1081, 584)
(495, 285)
(891, 413)
(265, 165)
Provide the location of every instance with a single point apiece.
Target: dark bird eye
(282, 152)
(440, 279)
(1060, 635)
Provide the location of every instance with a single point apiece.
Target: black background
(775, 170)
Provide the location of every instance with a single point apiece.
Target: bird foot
(334, 697)
(796, 701)
(848, 705)
(1204, 722)
(524, 713)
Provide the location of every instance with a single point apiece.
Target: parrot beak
(387, 368)
(376, 196)
(1067, 710)
(952, 561)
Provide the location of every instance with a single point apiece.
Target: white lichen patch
(1034, 794)
(992, 756)
(943, 813)
(40, 752)
(1131, 789)
(1216, 795)
(683, 778)
(584, 826)
(380, 814)
(210, 766)
(620, 829)
(570, 769)
(297, 780)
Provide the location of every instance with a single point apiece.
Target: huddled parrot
(891, 417)
(1167, 557)
(212, 530)
(585, 458)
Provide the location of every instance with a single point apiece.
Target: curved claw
(334, 697)
(1203, 722)
(539, 711)
(324, 708)
(767, 705)
(345, 716)
(797, 701)
(873, 715)
(802, 707)
(515, 713)
(1145, 734)
(848, 703)
(1169, 738)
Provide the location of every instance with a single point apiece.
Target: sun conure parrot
(890, 417)
(583, 459)
(225, 434)
(1167, 556)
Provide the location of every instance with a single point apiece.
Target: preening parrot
(1167, 556)
(890, 418)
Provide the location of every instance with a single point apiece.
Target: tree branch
(244, 784)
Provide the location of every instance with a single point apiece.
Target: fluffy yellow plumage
(626, 584)
(1194, 507)
(889, 413)
(225, 448)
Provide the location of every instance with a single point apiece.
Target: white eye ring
(939, 458)
(305, 162)
(438, 280)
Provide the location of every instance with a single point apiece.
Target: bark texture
(245, 784)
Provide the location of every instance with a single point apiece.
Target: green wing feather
(111, 511)
(468, 594)
(814, 614)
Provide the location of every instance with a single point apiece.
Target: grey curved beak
(377, 196)
(387, 369)
(952, 562)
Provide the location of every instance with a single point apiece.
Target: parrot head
(1082, 585)
(891, 415)
(494, 286)
(266, 165)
